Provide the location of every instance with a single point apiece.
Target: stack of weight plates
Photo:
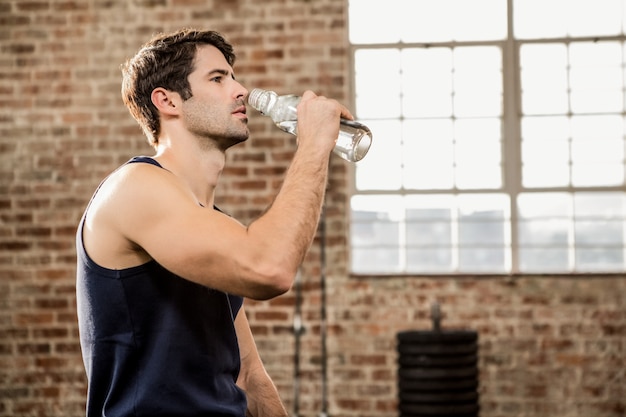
(438, 373)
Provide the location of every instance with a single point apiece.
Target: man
(162, 273)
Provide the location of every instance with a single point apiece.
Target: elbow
(272, 284)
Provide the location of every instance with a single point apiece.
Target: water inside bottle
(289, 126)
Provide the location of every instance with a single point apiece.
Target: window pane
(429, 235)
(596, 77)
(420, 21)
(600, 259)
(428, 155)
(544, 232)
(427, 82)
(486, 260)
(453, 20)
(593, 17)
(478, 153)
(428, 260)
(600, 231)
(477, 81)
(375, 233)
(545, 151)
(374, 98)
(483, 233)
(544, 260)
(597, 150)
(561, 232)
(539, 18)
(362, 13)
(535, 19)
(382, 168)
(544, 78)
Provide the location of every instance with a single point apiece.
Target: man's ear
(167, 102)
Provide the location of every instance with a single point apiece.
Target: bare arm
(153, 213)
(263, 398)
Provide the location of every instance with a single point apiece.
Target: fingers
(344, 112)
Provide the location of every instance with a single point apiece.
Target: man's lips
(240, 111)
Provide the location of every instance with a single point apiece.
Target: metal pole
(324, 412)
(298, 330)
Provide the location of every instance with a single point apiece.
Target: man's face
(216, 110)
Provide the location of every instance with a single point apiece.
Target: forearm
(299, 205)
(288, 227)
(263, 397)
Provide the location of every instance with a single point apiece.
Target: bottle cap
(259, 99)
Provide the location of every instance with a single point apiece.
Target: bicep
(200, 244)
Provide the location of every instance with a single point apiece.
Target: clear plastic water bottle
(354, 138)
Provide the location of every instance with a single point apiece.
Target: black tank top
(155, 344)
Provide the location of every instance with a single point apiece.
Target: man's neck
(199, 168)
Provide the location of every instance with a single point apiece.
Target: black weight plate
(438, 410)
(415, 385)
(438, 373)
(438, 349)
(430, 361)
(448, 397)
(444, 336)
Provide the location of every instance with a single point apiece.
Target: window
(499, 136)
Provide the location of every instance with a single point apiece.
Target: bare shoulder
(125, 204)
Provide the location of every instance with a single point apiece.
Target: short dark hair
(165, 61)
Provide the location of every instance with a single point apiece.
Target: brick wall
(549, 346)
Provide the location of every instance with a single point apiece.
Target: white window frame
(511, 134)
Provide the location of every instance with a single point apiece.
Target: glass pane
(599, 233)
(489, 260)
(545, 151)
(544, 260)
(535, 19)
(477, 81)
(452, 20)
(593, 17)
(483, 219)
(597, 174)
(425, 260)
(433, 233)
(544, 206)
(608, 205)
(429, 221)
(600, 259)
(413, 21)
(539, 18)
(544, 232)
(427, 82)
(381, 169)
(428, 154)
(363, 12)
(377, 207)
(376, 99)
(597, 150)
(546, 174)
(478, 153)
(544, 78)
(375, 261)
(474, 176)
(374, 233)
(596, 77)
